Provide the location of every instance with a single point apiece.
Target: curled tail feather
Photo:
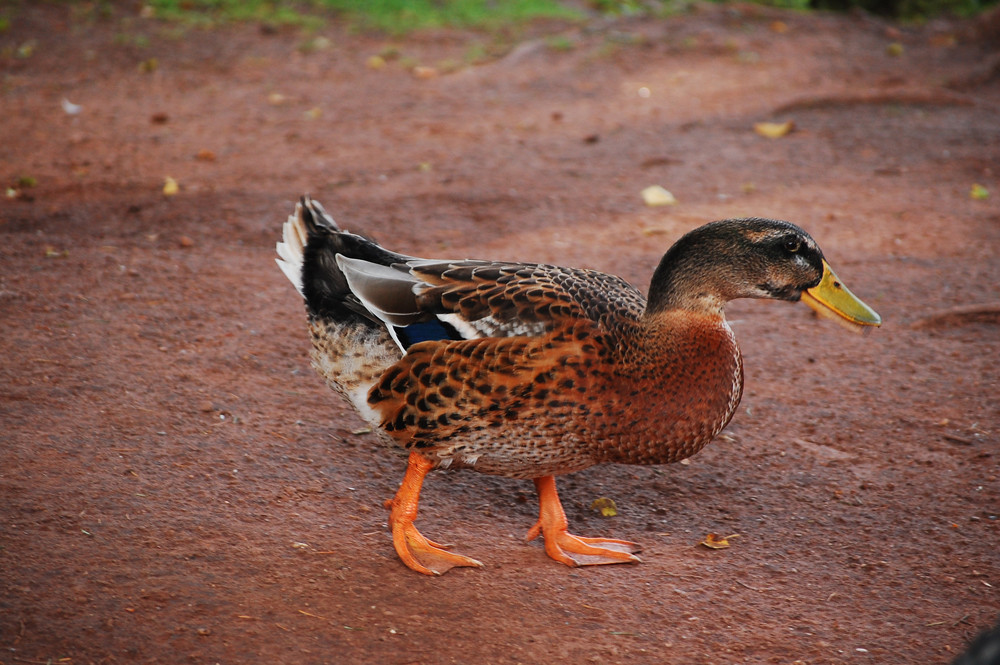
(309, 252)
(303, 224)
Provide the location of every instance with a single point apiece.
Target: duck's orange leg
(420, 554)
(564, 546)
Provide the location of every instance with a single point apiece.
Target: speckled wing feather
(503, 405)
(505, 299)
(538, 338)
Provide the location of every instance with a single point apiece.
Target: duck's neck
(691, 282)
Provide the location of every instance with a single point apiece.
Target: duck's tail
(291, 249)
(351, 348)
(307, 254)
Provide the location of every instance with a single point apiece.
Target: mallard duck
(530, 371)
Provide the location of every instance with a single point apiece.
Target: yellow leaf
(170, 186)
(606, 506)
(894, 49)
(774, 130)
(713, 541)
(979, 192)
(657, 196)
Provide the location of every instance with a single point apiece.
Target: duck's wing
(422, 299)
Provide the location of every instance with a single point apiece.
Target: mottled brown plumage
(576, 396)
(530, 371)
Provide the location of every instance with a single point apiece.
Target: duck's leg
(564, 546)
(420, 554)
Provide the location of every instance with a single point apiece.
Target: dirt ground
(177, 485)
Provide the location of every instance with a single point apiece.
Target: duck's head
(752, 258)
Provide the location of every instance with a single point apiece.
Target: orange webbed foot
(566, 548)
(418, 553)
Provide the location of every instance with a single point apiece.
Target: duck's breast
(676, 392)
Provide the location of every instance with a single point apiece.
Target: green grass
(400, 17)
(211, 12)
(392, 16)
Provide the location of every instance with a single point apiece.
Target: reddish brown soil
(177, 485)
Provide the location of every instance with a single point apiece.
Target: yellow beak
(831, 299)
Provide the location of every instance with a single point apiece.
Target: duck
(530, 371)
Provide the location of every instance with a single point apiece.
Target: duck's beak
(831, 299)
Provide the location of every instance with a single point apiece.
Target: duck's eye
(792, 245)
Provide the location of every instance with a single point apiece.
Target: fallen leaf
(26, 49)
(658, 196)
(70, 108)
(425, 72)
(605, 506)
(375, 62)
(713, 541)
(317, 44)
(894, 49)
(170, 186)
(774, 130)
(979, 192)
(205, 155)
(779, 27)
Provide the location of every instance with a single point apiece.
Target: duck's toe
(572, 550)
(426, 556)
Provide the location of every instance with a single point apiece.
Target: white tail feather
(291, 249)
